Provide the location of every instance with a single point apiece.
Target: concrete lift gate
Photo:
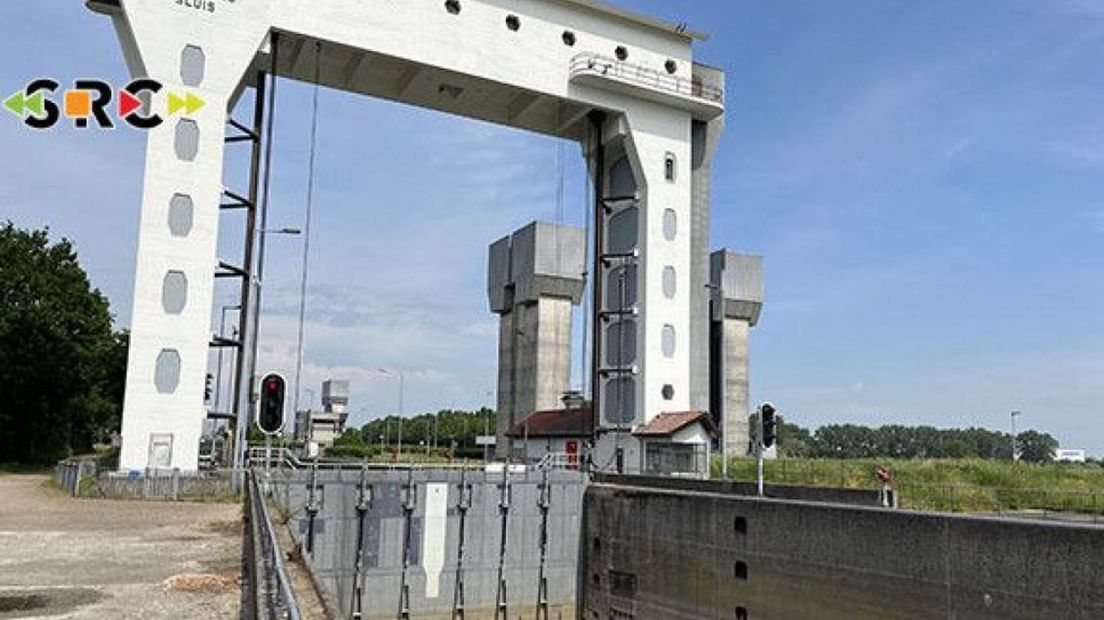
(624, 86)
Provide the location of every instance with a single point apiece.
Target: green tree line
(62, 364)
(895, 441)
(447, 429)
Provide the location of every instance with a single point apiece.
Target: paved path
(87, 559)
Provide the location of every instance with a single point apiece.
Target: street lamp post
(245, 413)
(402, 382)
(1015, 414)
(487, 413)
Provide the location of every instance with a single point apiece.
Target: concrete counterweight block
(737, 282)
(534, 277)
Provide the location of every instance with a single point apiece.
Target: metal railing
(69, 473)
(558, 461)
(273, 597)
(80, 478)
(695, 87)
(280, 457)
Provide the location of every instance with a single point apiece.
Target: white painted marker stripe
(433, 536)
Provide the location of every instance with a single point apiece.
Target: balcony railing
(695, 86)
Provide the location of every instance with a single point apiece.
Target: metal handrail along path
(278, 596)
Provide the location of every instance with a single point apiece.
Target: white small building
(559, 434)
(323, 427)
(1064, 455)
(677, 444)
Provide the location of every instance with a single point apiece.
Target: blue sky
(923, 178)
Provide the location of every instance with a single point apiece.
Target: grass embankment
(966, 485)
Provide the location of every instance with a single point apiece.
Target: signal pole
(759, 460)
(270, 415)
(765, 439)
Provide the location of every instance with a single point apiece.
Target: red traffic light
(270, 408)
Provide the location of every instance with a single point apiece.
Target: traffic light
(270, 409)
(770, 424)
(207, 388)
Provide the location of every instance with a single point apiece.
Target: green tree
(1036, 447)
(459, 426)
(793, 441)
(846, 441)
(62, 366)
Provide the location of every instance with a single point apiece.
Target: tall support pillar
(704, 138)
(240, 406)
(535, 276)
(163, 409)
(737, 280)
(644, 333)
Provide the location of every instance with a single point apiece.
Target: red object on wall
(572, 448)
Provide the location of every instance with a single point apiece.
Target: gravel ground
(85, 559)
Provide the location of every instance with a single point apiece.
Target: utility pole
(258, 283)
(1015, 457)
(398, 454)
(264, 95)
(765, 439)
(402, 380)
(218, 373)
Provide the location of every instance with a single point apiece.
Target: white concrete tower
(543, 65)
(534, 277)
(737, 280)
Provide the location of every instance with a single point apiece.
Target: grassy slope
(961, 485)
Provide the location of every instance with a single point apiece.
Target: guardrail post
(501, 598)
(409, 504)
(364, 501)
(463, 503)
(544, 502)
(312, 507)
(77, 478)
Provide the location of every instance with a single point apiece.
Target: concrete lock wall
(657, 553)
(434, 540)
